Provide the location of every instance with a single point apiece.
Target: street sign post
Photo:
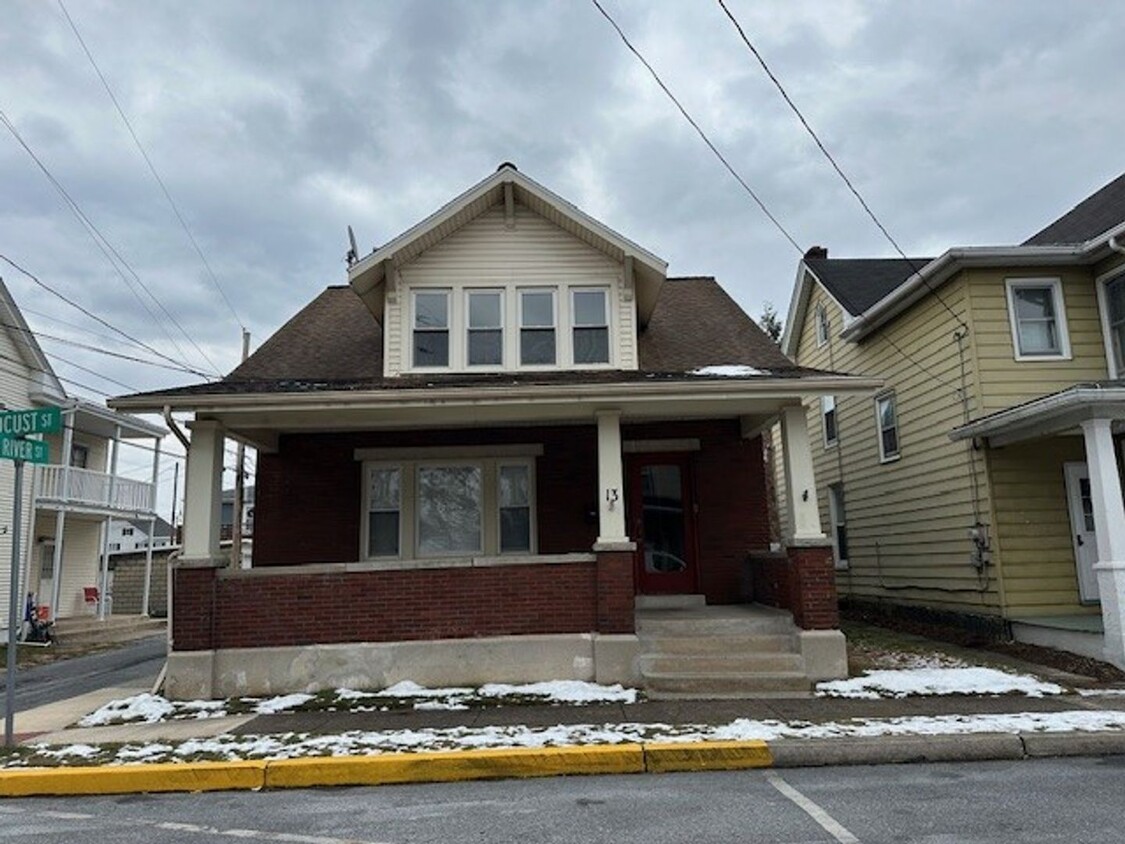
(14, 426)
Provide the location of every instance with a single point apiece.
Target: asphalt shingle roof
(1094, 215)
(334, 343)
(858, 283)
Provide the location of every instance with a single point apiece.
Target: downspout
(174, 427)
(1115, 246)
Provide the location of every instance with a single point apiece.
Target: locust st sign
(39, 420)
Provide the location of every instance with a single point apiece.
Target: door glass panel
(662, 503)
(1087, 503)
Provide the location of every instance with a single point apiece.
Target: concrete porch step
(733, 644)
(720, 665)
(669, 602)
(724, 685)
(672, 623)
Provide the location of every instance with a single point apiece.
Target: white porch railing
(94, 489)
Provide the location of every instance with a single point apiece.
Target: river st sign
(29, 451)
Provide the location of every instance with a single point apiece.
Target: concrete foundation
(376, 665)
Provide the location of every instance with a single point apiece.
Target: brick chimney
(817, 252)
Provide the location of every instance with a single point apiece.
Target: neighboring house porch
(1055, 471)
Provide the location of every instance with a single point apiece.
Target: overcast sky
(276, 124)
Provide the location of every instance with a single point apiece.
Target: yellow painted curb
(132, 779)
(707, 756)
(455, 765)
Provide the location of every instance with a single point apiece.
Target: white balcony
(63, 488)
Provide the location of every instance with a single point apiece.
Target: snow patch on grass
(937, 681)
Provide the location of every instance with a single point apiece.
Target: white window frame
(837, 518)
(883, 456)
(451, 345)
(486, 367)
(414, 460)
(820, 316)
(828, 405)
(1117, 274)
(1056, 287)
(559, 356)
(569, 343)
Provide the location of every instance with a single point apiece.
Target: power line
(151, 166)
(831, 160)
(116, 260)
(699, 131)
(95, 317)
(94, 372)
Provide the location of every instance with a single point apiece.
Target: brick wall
(801, 580)
(213, 611)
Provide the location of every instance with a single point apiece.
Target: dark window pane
(515, 487)
(383, 534)
(486, 347)
(431, 348)
(449, 509)
(515, 529)
(591, 345)
(1035, 302)
(431, 310)
(842, 541)
(890, 442)
(537, 346)
(663, 514)
(830, 426)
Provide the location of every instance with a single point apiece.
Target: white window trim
(449, 329)
(824, 409)
(556, 305)
(820, 319)
(606, 290)
(504, 352)
(1013, 284)
(408, 465)
(883, 457)
(1102, 283)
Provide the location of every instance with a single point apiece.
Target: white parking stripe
(830, 825)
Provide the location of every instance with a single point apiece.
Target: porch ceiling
(1056, 413)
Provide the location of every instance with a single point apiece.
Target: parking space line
(830, 825)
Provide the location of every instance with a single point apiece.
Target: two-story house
(68, 502)
(510, 449)
(984, 480)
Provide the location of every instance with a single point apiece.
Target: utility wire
(683, 111)
(116, 260)
(105, 338)
(835, 165)
(94, 316)
(93, 372)
(151, 166)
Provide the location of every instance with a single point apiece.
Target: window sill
(1061, 358)
(894, 458)
(412, 565)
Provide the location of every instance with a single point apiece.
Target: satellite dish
(353, 251)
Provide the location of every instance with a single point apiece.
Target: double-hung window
(485, 328)
(1115, 322)
(1038, 318)
(384, 512)
(515, 507)
(431, 328)
(538, 345)
(821, 325)
(590, 318)
(837, 515)
(828, 417)
(886, 421)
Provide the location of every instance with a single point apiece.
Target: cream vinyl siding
(1004, 381)
(488, 253)
(81, 552)
(14, 375)
(908, 520)
(1034, 527)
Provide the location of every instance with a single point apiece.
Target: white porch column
(203, 491)
(611, 483)
(60, 514)
(151, 527)
(803, 513)
(103, 588)
(1109, 524)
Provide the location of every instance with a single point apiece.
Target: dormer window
(591, 326)
(537, 328)
(431, 328)
(486, 327)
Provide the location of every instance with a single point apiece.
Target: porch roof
(1053, 413)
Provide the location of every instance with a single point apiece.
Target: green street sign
(29, 451)
(38, 420)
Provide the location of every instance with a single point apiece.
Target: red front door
(662, 523)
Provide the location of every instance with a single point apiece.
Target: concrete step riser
(714, 627)
(719, 645)
(706, 684)
(666, 602)
(722, 665)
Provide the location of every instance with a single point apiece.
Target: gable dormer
(508, 277)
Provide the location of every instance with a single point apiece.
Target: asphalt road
(968, 803)
(136, 663)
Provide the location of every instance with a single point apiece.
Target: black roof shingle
(858, 283)
(1094, 215)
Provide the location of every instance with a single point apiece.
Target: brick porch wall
(801, 580)
(214, 611)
